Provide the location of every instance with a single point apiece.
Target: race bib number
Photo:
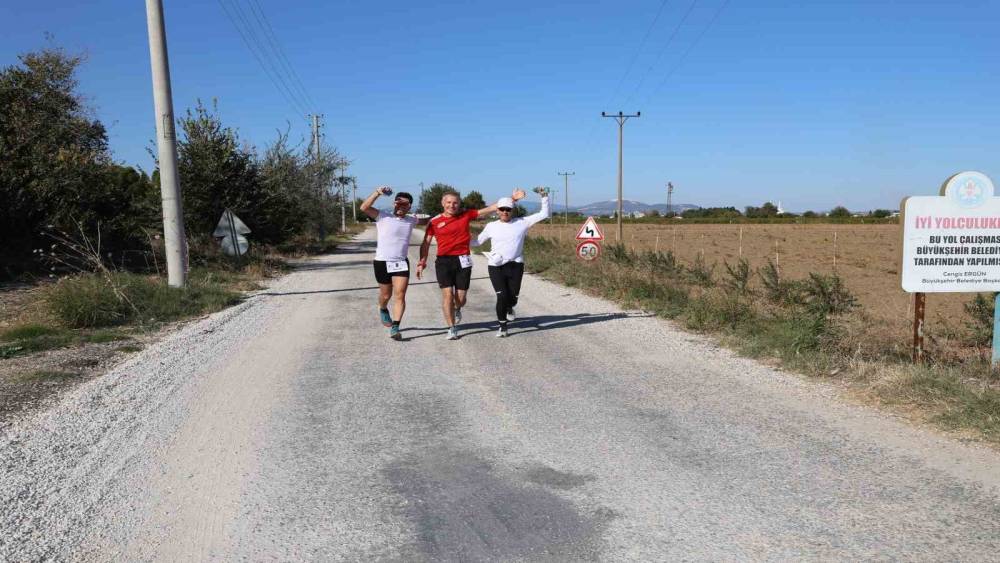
(400, 266)
(465, 261)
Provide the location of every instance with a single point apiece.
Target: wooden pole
(919, 303)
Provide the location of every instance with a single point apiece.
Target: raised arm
(542, 214)
(366, 205)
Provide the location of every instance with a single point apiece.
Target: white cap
(505, 202)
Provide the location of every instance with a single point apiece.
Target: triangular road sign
(590, 231)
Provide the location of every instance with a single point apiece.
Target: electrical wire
(276, 81)
(662, 51)
(687, 52)
(282, 55)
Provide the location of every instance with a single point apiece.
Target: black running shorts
(383, 276)
(450, 273)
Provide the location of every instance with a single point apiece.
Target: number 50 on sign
(588, 250)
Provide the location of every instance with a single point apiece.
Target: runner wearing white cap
(392, 267)
(506, 257)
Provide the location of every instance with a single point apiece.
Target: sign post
(951, 243)
(590, 237)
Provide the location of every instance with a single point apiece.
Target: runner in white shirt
(506, 259)
(392, 268)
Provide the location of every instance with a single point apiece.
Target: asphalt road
(292, 428)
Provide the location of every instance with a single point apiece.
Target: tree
(430, 201)
(881, 213)
(764, 211)
(840, 212)
(519, 210)
(810, 214)
(473, 200)
(55, 166)
(653, 213)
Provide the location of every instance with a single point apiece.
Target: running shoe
(452, 333)
(458, 315)
(394, 333)
(502, 332)
(384, 315)
(510, 314)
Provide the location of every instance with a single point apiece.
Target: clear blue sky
(815, 104)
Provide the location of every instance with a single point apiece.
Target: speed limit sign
(588, 250)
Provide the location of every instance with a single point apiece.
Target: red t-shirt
(452, 232)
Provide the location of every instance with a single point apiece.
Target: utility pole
(566, 176)
(175, 242)
(319, 188)
(420, 204)
(551, 194)
(343, 190)
(354, 198)
(621, 118)
(670, 198)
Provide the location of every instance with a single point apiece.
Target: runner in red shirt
(454, 263)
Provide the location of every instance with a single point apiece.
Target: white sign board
(951, 242)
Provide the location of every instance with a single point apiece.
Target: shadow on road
(278, 294)
(527, 324)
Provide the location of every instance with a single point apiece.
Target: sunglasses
(504, 209)
(402, 202)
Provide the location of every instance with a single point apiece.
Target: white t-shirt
(508, 238)
(393, 236)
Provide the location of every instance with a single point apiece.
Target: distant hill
(609, 207)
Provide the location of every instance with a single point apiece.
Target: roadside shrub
(980, 321)
(780, 291)
(701, 274)
(90, 301)
(737, 281)
(827, 295)
(618, 254)
(663, 263)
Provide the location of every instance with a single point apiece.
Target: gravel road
(291, 427)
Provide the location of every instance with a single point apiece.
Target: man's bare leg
(399, 285)
(448, 305)
(384, 294)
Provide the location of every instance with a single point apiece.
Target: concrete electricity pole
(621, 118)
(670, 198)
(566, 176)
(319, 188)
(354, 198)
(174, 238)
(421, 202)
(343, 203)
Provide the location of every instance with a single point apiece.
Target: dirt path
(292, 428)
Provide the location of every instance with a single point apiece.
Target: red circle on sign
(588, 250)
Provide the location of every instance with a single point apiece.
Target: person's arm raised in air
(366, 205)
(543, 213)
(517, 195)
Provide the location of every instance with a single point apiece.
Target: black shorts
(383, 277)
(450, 273)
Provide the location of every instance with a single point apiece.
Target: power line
(687, 52)
(296, 108)
(252, 33)
(593, 127)
(635, 57)
(662, 51)
(282, 56)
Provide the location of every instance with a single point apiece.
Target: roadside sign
(951, 242)
(588, 250)
(590, 231)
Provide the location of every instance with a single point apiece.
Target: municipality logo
(970, 189)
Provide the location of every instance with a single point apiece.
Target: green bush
(980, 322)
(90, 300)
